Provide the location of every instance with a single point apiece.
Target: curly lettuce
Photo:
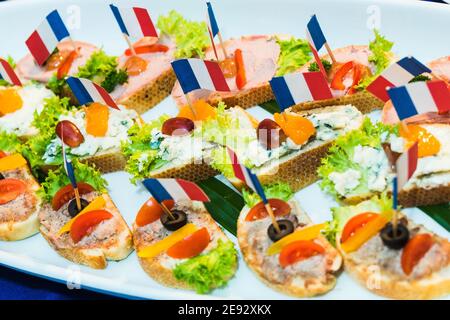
(211, 270)
(315, 67)
(9, 142)
(341, 215)
(278, 190)
(380, 57)
(141, 151)
(191, 38)
(103, 69)
(56, 179)
(340, 155)
(294, 53)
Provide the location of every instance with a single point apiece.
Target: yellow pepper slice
(367, 232)
(97, 204)
(11, 162)
(307, 233)
(161, 246)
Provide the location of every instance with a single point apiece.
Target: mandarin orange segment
(97, 116)
(10, 101)
(202, 110)
(296, 127)
(428, 144)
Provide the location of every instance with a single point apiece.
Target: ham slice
(158, 63)
(441, 68)
(260, 55)
(28, 69)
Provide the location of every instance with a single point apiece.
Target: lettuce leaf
(103, 69)
(142, 156)
(341, 215)
(57, 179)
(340, 155)
(9, 142)
(211, 270)
(220, 160)
(294, 53)
(191, 38)
(278, 190)
(380, 57)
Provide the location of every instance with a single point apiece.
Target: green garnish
(294, 53)
(420, 77)
(315, 67)
(278, 190)
(9, 142)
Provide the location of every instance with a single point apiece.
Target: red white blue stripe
(405, 166)
(87, 92)
(68, 167)
(420, 97)
(43, 41)
(397, 74)
(7, 73)
(245, 174)
(295, 88)
(194, 74)
(175, 189)
(135, 22)
(316, 40)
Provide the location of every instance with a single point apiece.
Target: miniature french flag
(174, 189)
(397, 74)
(43, 41)
(295, 88)
(405, 165)
(316, 40)
(213, 28)
(245, 174)
(87, 91)
(68, 167)
(7, 73)
(134, 22)
(420, 97)
(196, 74)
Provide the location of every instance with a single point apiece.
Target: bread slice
(13, 229)
(294, 285)
(116, 246)
(246, 98)
(155, 266)
(191, 171)
(384, 282)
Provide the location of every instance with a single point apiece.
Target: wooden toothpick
(130, 45)
(272, 216)
(190, 105)
(167, 211)
(222, 46)
(330, 52)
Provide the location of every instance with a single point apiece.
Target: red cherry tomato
(279, 207)
(85, 223)
(66, 193)
(64, 68)
(241, 79)
(69, 133)
(356, 223)
(151, 211)
(299, 250)
(190, 246)
(414, 250)
(10, 189)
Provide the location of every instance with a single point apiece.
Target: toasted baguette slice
(191, 171)
(117, 238)
(19, 217)
(299, 168)
(160, 267)
(254, 241)
(395, 284)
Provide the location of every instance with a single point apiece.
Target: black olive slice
(72, 207)
(395, 241)
(286, 227)
(2, 177)
(179, 219)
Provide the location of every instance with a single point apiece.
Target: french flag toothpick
(43, 41)
(295, 88)
(87, 92)
(194, 74)
(405, 167)
(213, 28)
(134, 22)
(316, 41)
(245, 174)
(175, 189)
(420, 97)
(397, 74)
(7, 73)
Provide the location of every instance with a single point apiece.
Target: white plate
(417, 28)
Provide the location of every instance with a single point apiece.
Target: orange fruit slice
(97, 116)
(296, 127)
(202, 109)
(10, 101)
(428, 144)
